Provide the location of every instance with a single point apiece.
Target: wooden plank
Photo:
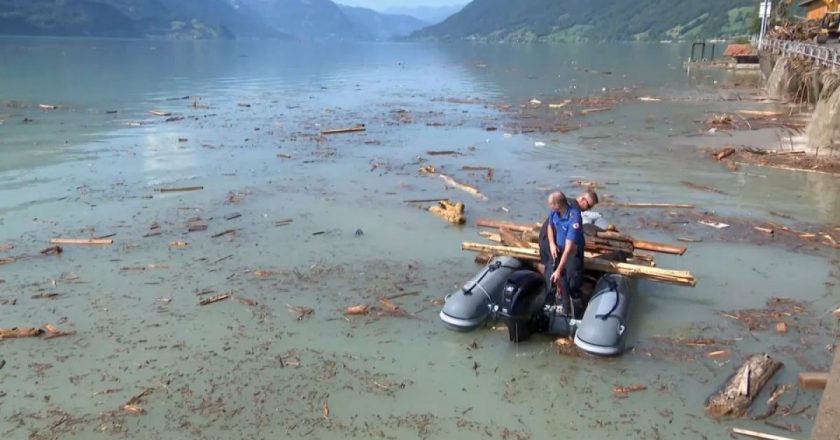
(182, 189)
(354, 129)
(490, 223)
(81, 241)
(812, 380)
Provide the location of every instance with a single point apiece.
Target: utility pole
(764, 9)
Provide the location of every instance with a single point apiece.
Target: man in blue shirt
(566, 243)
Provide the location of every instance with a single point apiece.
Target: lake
(242, 120)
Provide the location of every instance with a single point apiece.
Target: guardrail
(826, 56)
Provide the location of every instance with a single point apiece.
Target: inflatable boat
(508, 290)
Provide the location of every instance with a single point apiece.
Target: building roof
(739, 50)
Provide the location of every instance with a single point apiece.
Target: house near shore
(741, 53)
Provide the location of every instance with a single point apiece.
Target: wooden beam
(756, 434)
(81, 241)
(495, 224)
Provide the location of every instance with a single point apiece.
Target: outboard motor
(469, 307)
(522, 299)
(604, 325)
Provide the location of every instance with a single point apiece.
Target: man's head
(557, 202)
(587, 200)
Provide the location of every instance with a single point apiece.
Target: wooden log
(20, 332)
(518, 227)
(443, 153)
(424, 201)
(587, 111)
(643, 245)
(659, 247)
(653, 205)
(353, 129)
(592, 262)
(182, 189)
(159, 113)
(451, 212)
(357, 310)
(812, 380)
(483, 258)
(510, 239)
(81, 241)
(756, 434)
(229, 231)
(836, 313)
(739, 392)
(196, 226)
(214, 299)
(462, 186)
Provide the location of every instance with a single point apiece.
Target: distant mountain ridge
(379, 26)
(575, 20)
(428, 14)
(200, 19)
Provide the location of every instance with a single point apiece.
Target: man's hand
(555, 252)
(555, 276)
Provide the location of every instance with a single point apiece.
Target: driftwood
(215, 299)
(462, 186)
(20, 332)
(739, 392)
(357, 310)
(451, 212)
(133, 404)
(620, 391)
(229, 231)
(354, 129)
(81, 241)
(756, 434)
(182, 189)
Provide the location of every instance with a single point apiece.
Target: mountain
(574, 20)
(179, 19)
(429, 14)
(305, 19)
(377, 26)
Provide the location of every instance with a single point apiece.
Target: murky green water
(232, 370)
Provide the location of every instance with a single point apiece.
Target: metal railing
(826, 56)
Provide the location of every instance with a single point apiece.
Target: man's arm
(567, 253)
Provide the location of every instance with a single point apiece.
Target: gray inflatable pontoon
(507, 291)
(472, 305)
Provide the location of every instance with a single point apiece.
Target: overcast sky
(384, 4)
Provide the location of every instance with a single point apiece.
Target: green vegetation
(573, 20)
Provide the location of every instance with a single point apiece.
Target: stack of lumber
(608, 252)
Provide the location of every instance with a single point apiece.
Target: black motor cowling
(523, 294)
